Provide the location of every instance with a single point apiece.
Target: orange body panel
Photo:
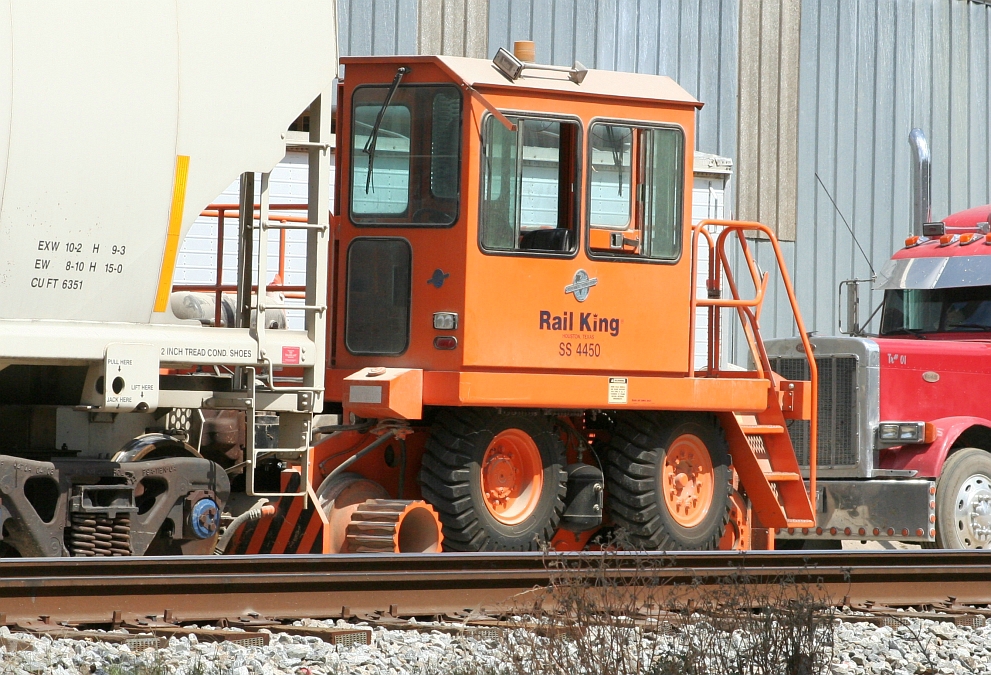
(548, 390)
(796, 399)
(505, 294)
(385, 393)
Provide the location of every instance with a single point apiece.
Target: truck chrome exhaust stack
(921, 184)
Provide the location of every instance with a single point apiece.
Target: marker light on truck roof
(512, 67)
(966, 239)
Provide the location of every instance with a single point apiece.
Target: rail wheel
(154, 446)
(963, 501)
(497, 480)
(668, 480)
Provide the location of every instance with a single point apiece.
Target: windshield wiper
(369, 148)
(915, 332)
(975, 326)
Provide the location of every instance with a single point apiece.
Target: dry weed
(614, 613)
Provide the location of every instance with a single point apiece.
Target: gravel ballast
(916, 647)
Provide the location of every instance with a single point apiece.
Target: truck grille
(837, 443)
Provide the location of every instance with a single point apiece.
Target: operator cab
(534, 221)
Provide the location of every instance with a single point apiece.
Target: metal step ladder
(764, 458)
(295, 405)
(760, 446)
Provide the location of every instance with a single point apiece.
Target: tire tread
(458, 437)
(631, 466)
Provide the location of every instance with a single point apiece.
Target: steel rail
(194, 588)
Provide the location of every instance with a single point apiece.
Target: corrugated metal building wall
(377, 27)
(693, 41)
(384, 27)
(868, 71)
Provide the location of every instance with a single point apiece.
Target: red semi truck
(904, 424)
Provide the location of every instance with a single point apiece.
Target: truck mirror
(852, 307)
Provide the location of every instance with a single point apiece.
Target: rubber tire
(450, 480)
(959, 466)
(635, 503)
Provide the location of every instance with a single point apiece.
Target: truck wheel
(963, 501)
(668, 480)
(497, 481)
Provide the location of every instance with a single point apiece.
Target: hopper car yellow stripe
(172, 239)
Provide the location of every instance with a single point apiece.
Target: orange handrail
(750, 309)
(717, 262)
(221, 212)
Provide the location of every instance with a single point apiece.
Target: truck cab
(904, 433)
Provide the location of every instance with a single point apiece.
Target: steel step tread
(762, 429)
(782, 476)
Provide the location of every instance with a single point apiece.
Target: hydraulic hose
(334, 428)
(260, 510)
(358, 455)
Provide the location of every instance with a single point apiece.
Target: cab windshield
(406, 155)
(939, 310)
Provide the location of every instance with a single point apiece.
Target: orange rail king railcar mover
(513, 310)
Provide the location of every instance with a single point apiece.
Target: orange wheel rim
(512, 476)
(687, 480)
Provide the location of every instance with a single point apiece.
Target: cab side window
(636, 186)
(610, 176)
(529, 191)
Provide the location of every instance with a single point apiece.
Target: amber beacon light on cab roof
(495, 346)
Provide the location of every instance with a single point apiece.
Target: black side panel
(378, 296)
(42, 385)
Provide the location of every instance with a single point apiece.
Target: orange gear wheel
(512, 476)
(687, 480)
(394, 526)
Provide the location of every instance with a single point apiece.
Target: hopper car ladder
(295, 428)
(760, 447)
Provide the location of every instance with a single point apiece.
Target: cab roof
(960, 257)
(969, 219)
(484, 76)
